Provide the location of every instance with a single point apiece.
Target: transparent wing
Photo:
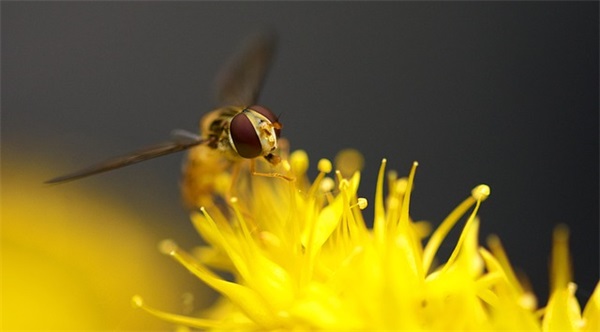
(240, 81)
(178, 143)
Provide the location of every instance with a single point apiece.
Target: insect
(237, 130)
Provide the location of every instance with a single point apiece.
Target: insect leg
(253, 171)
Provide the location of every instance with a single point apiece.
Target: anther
(299, 161)
(392, 175)
(362, 203)
(324, 166)
(137, 301)
(481, 192)
(400, 186)
(327, 184)
(167, 247)
(349, 161)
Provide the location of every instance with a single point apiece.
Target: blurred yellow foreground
(72, 258)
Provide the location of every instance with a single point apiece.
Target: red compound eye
(244, 136)
(269, 115)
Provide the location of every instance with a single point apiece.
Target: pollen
(302, 257)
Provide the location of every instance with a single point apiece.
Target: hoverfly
(238, 130)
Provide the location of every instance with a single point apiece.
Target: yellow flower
(71, 255)
(302, 258)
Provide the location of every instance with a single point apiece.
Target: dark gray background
(499, 93)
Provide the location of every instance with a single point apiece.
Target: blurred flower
(72, 256)
(302, 257)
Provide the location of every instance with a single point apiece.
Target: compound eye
(244, 137)
(269, 115)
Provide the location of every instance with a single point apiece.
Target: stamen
(379, 218)
(400, 186)
(138, 302)
(403, 225)
(560, 269)
(489, 280)
(251, 303)
(338, 175)
(471, 221)
(404, 218)
(489, 297)
(496, 248)
(440, 233)
(481, 192)
(343, 185)
(324, 167)
(362, 203)
(167, 247)
(392, 176)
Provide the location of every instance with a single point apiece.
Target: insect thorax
(214, 126)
